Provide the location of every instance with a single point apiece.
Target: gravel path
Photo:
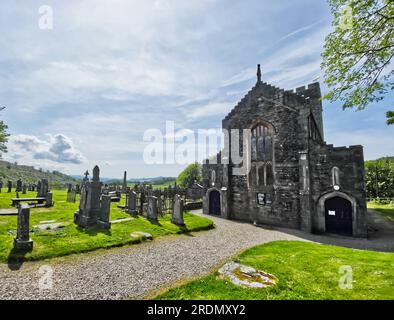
(136, 271)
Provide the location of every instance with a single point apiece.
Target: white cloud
(58, 149)
(211, 109)
(294, 64)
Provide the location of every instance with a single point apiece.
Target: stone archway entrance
(338, 216)
(214, 203)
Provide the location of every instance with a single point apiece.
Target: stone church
(294, 178)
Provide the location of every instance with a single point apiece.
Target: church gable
(265, 101)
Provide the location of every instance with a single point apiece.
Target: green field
(387, 210)
(305, 271)
(70, 239)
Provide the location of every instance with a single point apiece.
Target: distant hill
(28, 174)
(155, 180)
(386, 158)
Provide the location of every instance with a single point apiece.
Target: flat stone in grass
(245, 276)
(47, 221)
(49, 226)
(141, 235)
(121, 220)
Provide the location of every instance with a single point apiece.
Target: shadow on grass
(94, 231)
(156, 223)
(16, 258)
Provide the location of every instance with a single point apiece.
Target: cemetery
(67, 222)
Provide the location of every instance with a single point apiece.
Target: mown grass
(70, 239)
(387, 210)
(305, 271)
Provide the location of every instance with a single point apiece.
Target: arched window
(335, 176)
(262, 154)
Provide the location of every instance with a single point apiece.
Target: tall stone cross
(86, 174)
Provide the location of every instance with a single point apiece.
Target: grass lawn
(387, 210)
(70, 239)
(305, 271)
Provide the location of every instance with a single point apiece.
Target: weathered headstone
(89, 203)
(71, 196)
(43, 188)
(19, 185)
(69, 187)
(124, 182)
(177, 214)
(38, 186)
(160, 210)
(131, 202)
(24, 189)
(9, 186)
(23, 241)
(49, 197)
(144, 209)
(103, 221)
(152, 209)
(77, 189)
(1, 185)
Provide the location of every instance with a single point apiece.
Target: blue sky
(84, 92)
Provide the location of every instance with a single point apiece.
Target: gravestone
(69, 187)
(38, 186)
(103, 221)
(49, 197)
(124, 182)
(144, 209)
(143, 203)
(23, 241)
(152, 209)
(9, 186)
(1, 185)
(19, 185)
(77, 189)
(24, 189)
(131, 205)
(89, 203)
(43, 188)
(160, 210)
(177, 214)
(71, 196)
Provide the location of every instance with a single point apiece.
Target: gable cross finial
(258, 73)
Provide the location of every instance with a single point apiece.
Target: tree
(3, 136)
(379, 178)
(357, 55)
(187, 177)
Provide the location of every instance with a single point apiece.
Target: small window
(213, 177)
(335, 176)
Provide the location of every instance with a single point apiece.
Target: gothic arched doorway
(338, 214)
(214, 203)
